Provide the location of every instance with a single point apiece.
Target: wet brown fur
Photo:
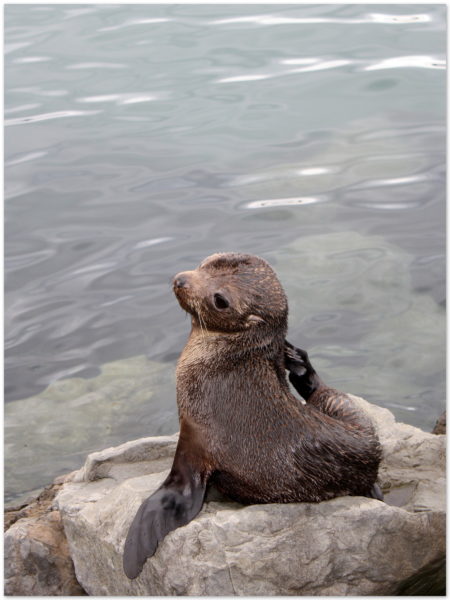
(261, 444)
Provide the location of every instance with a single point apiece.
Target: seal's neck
(209, 353)
(257, 339)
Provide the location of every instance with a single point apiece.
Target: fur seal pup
(240, 426)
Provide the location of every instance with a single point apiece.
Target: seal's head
(232, 292)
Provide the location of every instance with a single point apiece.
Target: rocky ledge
(341, 547)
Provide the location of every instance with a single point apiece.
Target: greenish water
(141, 138)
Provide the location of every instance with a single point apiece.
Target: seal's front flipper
(174, 504)
(301, 372)
(168, 508)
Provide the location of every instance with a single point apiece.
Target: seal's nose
(180, 281)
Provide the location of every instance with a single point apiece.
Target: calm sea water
(141, 138)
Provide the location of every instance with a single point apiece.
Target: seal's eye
(220, 302)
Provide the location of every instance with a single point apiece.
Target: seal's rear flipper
(376, 492)
(174, 504)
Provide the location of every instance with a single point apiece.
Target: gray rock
(345, 546)
(440, 426)
(37, 558)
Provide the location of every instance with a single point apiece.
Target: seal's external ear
(254, 320)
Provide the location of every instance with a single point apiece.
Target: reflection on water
(140, 139)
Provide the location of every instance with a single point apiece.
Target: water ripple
(22, 158)
(77, 12)
(152, 242)
(393, 181)
(116, 300)
(20, 108)
(279, 174)
(424, 62)
(133, 22)
(60, 114)
(24, 260)
(250, 77)
(129, 98)
(299, 61)
(375, 18)
(103, 267)
(277, 202)
(40, 92)
(9, 48)
(31, 59)
(96, 65)
(323, 65)
(311, 64)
